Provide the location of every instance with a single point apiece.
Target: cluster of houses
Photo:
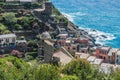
(66, 40)
(103, 66)
(82, 44)
(106, 58)
(81, 47)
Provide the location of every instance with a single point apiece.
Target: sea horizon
(100, 18)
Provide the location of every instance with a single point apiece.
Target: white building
(7, 40)
(117, 57)
(91, 59)
(84, 56)
(98, 61)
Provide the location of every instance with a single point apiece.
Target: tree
(117, 75)
(9, 19)
(46, 72)
(80, 68)
(12, 68)
(66, 77)
(3, 29)
(32, 43)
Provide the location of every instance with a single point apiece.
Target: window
(7, 40)
(117, 56)
(100, 57)
(13, 40)
(0, 40)
(104, 58)
(68, 48)
(113, 53)
(0, 44)
(74, 48)
(109, 57)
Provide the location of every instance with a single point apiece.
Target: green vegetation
(31, 55)
(1, 2)
(59, 17)
(12, 68)
(66, 77)
(80, 68)
(47, 72)
(29, 5)
(56, 12)
(17, 21)
(3, 29)
(9, 20)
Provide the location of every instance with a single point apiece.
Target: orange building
(107, 54)
(102, 53)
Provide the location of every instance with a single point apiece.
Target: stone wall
(45, 51)
(11, 7)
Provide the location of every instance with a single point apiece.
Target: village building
(77, 55)
(81, 55)
(111, 55)
(45, 51)
(84, 56)
(97, 61)
(102, 53)
(42, 13)
(46, 35)
(117, 57)
(48, 7)
(21, 44)
(7, 40)
(46, 48)
(108, 54)
(71, 47)
(91, 59)
(107, 68)
(62, 56)
(83, 45)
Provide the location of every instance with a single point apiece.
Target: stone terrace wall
(11, 7)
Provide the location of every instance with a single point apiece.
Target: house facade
(7, 40)
(112, 55)
(62, 56)
(117, 57)
(102, 53)
(108, 54)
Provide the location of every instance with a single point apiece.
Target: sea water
(100, 18)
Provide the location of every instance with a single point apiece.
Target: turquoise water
(101, 15)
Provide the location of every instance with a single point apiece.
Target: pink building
(106, 53)
(102, 53)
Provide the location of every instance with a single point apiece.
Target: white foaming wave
(100, 37)
(70, 17)
(76, 14)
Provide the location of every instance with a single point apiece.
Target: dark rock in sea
(98, 45)
(93, 30)
(104, 36)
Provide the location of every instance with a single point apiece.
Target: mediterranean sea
(100, 18)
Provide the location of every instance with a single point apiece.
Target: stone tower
(48, 7)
